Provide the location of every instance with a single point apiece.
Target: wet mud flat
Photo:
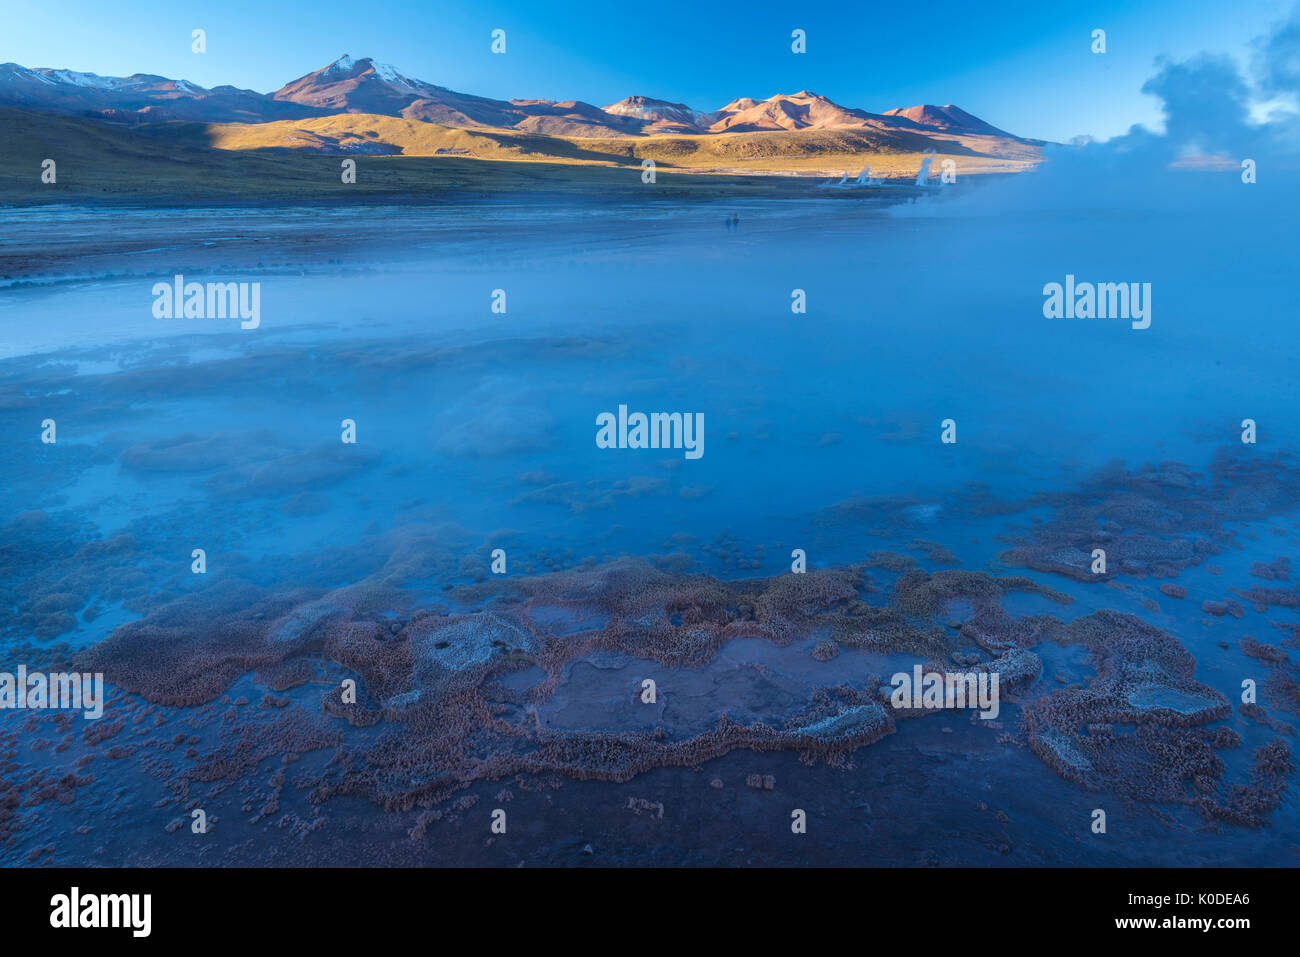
(525, 696)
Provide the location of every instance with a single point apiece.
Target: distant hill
(366, 86)
(948, 117)
(105, 162)
(659, 115)
(795, 111)
(134, 98)
(366, 108)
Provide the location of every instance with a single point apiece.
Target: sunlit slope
(807, 151)
(97, 162)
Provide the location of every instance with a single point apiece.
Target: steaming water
(194, 433)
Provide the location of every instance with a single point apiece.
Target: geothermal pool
(475, 445)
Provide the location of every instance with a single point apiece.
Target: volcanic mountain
(947, 117)
(141, 96)
(366, 86)
(660, 114)
(795, 111)
(364, 107)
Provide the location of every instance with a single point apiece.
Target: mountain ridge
(367, 86)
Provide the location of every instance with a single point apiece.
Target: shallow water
(822, 433)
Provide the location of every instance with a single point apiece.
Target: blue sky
(1024, 66)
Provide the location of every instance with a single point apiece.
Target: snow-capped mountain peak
(390, 74)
